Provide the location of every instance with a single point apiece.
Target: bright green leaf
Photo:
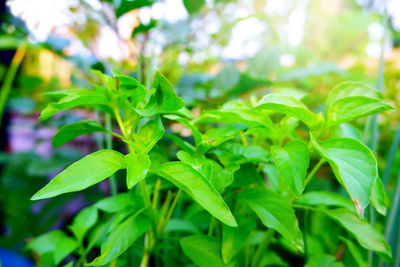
(378, 197)
(84, 221)
(325, 198)
(121, 238)
(352, 100)
(292, 161)
(354, 165)
(366, 235)
(56, 242)
(290, 106)
(198, 187)
(136, 168)
(120, 202)
(72, 100)
(84, 173)
(73, 130)
(274, 212)
(148, 135)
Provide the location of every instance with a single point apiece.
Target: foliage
(212, 180)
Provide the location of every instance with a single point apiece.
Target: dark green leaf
(318, 260)
(193, 6)
(86, 172)
(128, 5)
(204, 251)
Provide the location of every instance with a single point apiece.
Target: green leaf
(84, 221)
(136, 168)
(57, 242)
(193, 6)
(195, 132)
(72, 100)
(73, 130)
(325, 198)
(290, 106)
(179, 225)
(292, 161)
(212, 171)
(203, 250)
(197, 187)
(120, 202)
(132, 88)
(84, 173)
(162, 98)
(121, 238)
(352, 100)
(355, 252)
(346, 130)
(233, 239)
(354, 165)
(248, 153)
(128, 5)
(378, 197)
(274, 212)
(148, 135)
(325, 260)
(366, 235)
(217, 136)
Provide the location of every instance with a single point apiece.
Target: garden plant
(240, 190)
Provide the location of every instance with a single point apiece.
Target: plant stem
(156, 193)
(211, 226)
(391, 155)
(373, 129)
(109, 145)
(305, 222)
(314, 171)
(10, 76)
(262, 247)
(391, 227)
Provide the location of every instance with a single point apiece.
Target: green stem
(305, 223)
(109, 145)
(262, 247)
(314, 171)
(10, 76)
(374, 130)
(391, 155)
(211, 226)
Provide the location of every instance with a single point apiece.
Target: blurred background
(211, 50)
